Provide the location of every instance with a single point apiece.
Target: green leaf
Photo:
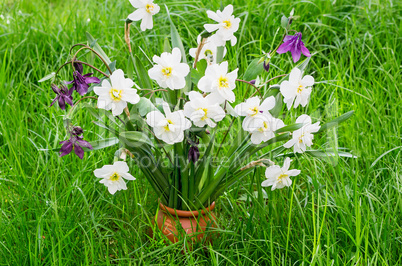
(47, 77)
(176, 39)
(166, 46)
(135, 138)
(289, 128)
(328, 154)
(142, 74)
(336, 121)
(197, 74)
(284, 22)
(276, 111)
(94, 45)
(302, 66)
(113, 66)
(219, 54)
(177, 42)
(253, 70)
(104, 143)
(145, 106)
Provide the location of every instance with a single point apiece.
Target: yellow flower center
(223, 82)
(227, 23)
(115, 177)
(205, 113)
(207, 52)
(255, 111)
(300, 89)
(301, 139)
(265, 126)
(282, 176)
(115, 94)
(167, 71)
(149, 8)
(167, 126)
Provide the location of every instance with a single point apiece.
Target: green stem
(77, 61)
(192, 183)
(92, 50)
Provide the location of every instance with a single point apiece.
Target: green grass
(345, 212)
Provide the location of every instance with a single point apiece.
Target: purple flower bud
(77, 131)
(266, 66)
(193, 154)
(252, 81)
(78, 67)
(294, 44)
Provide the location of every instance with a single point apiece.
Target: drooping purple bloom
(75, 143)
(193, 154)
(294, 44)
(81, 82)
(253, 81)
(63, 96)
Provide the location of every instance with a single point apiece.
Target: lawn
(343, 211)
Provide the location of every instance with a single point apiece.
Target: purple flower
(63, 96)
(75, 143)
(294, 44)
(81, 82)
(253, 81)
(193, 154)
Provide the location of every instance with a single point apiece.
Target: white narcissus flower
(113, 175)
(278, 177)
(169, 72)
(252, 109)
(203, 111)
(262, 129)
(208, 50)
(169, 127)
(219, 82)
(226, 27)
(297, 89)
(116, 94)
(303, 137)
(146, 9)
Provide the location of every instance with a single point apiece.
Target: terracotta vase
(175, 223)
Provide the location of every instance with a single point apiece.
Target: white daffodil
(203, 111)
(303, 137)
(252, 109)
(226, 27)
(116, 94)
(113, 176)
(169, 127)
(262, 129)
(168, 71)
(146, 9)
(219, 82)
(278, 177)
(208, 50)
(297, 89)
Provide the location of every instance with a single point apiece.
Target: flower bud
(266, 66)
(77, 131)
(193, 154)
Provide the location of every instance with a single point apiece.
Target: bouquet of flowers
(176, 120)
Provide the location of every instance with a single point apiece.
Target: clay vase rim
(182, 213)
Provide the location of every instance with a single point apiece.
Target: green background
(347, 211)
